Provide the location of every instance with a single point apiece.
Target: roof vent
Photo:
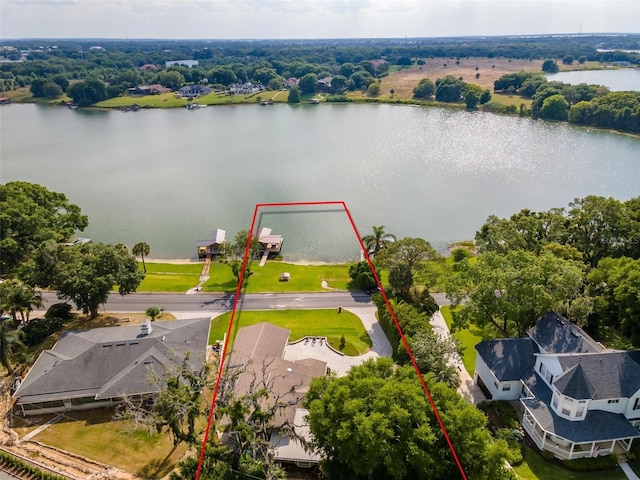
(146, 327)
(575, 334)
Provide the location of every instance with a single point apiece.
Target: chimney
(146, 327)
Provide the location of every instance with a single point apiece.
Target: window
(506, 388)
(543, 370)
(635, 405)
(555, 402)
(615, 400)
(580, 411)
(495, 384)
(566, 411)
(549, 377)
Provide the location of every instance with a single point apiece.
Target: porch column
(593, 447)
(571, 451)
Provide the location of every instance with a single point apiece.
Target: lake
(616, 80)
(169, 177)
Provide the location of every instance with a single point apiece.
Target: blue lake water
(616, 80)
(169, 177)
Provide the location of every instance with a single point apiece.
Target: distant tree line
(592, 105)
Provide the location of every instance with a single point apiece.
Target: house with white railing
(579, 398)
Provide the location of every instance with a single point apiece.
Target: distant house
(324, 84)
(154, 89)
(257, 355)
(246, 88)
(213, 245)
(193, 91)
(149, 67)
(579, 398)
(182, 63)
(97, 368)
(290, 82)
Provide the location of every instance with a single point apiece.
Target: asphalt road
(218, 302)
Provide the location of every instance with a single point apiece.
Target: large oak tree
(376, 422)
(29, 215)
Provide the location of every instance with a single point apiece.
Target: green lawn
(94, 434)
(321, 323)
(169, 277)
(536, 468)
(469, 338)
(267, 279)
(170, 100)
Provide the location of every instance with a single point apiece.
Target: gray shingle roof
(612, 374)
(258, 349)
(597, 425)
(555, 334)
(575, 384)
(113, 361)
(508, 358)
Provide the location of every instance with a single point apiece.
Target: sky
(273, 19)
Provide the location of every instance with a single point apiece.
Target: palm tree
(378, 241)
(141, 249)
(10, 340)
(17, 297)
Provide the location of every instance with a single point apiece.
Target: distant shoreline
(189, 261)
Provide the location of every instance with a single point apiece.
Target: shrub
(604, 462)
(460, 254)
(40, 328)
(59, 310)
(338, 98)
(507, 414)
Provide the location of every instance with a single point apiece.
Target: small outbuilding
(213, 245)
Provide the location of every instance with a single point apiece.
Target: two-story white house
(580, 399)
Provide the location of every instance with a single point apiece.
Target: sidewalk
(627, 470)
(468, 389)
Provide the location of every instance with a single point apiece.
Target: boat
(314, 101)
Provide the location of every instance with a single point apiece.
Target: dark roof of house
(555, 334)
(575, 384)
(508, 358)
(597, 426)
(258, 350)
(113, 361)
(611, 375)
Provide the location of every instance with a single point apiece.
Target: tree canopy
(376, 422)
(510, 291)
(83, 274)
(30, 215)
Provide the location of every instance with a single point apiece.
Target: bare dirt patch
(490, 69)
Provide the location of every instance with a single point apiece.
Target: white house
(580, 399)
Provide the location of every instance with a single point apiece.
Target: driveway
(335, 361)
(468, 389)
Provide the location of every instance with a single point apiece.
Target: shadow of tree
(158, 468)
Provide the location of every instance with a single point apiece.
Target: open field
(318, 323)
(95, 435)
(490, 69)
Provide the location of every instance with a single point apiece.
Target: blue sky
(236, 19)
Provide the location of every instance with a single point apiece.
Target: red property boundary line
(382, 292)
